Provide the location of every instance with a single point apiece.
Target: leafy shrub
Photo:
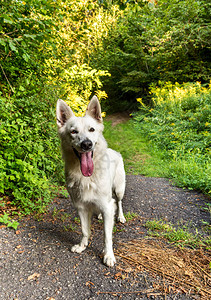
(179, 122)
(46, 43)
(29, 150)
(27, 39)
(77, 85)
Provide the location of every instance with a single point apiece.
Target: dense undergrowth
(179, 125)
(29, 152)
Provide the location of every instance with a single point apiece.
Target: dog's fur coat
(94, 173)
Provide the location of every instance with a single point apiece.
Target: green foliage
(44, 42)
(29, 150)
(77, 84)
(179, 123)
(5, 219)
(179, 236)
(80, 29)
(164, 40)
(26, 41)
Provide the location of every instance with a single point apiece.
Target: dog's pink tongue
(87, 165)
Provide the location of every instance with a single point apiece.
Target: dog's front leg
(108, 216)
(85, 217)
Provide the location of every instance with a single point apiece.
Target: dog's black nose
(86, 145)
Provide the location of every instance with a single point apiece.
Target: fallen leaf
(89, 283)
(3, 226)
(106, 274)
(34, 276)
(18, 247)
(117, 275)
(17, 232)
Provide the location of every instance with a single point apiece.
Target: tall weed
(179, 123)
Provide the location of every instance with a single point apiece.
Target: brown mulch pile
(186, 270)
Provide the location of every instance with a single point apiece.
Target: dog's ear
(94, 109)
(63, 113)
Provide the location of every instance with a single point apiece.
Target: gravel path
(36, 262)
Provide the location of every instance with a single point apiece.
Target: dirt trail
(118, 118)
(36, 262)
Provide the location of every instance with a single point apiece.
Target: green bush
(30, 157)
(179, 123)
(27, 40)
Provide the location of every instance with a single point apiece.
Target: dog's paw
(78, 248)
(109, 260)
(121, 219)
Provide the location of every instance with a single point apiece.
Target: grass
(131, 216)
(70, 227)
(143, 156)
(139, 157)
(179, 236)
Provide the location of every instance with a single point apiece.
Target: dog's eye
(74, 131)
(91, 129)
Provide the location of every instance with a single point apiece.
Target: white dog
(94, 173)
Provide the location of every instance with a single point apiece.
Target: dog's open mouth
(86, 162)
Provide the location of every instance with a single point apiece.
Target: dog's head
(81, 133)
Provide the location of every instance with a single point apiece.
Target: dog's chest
(83, 190)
